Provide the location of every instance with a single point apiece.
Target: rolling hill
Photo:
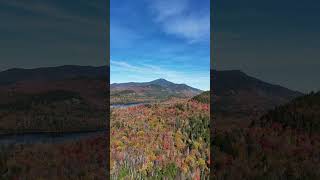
(204, 97)
(301, 113)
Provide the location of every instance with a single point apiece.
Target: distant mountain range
(14, 75)
(159, 89)
(233, 91)
(237, 94)
(88, 81)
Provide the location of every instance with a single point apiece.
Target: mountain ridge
(237, 94)
(233, 79)
(14, 75)
(160, 81)
(156, 81)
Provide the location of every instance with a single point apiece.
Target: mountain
(88, 81)
(237, 94)
(158, 82)
(159, 89)
(14, 75)
(236, 80)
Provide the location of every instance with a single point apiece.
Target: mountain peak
(160, 80)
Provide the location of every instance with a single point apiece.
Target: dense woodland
(302, 113)
(282, 144)
(167, 140)
(203, 97)
(154, 95)
(53, 111)
(82, 159)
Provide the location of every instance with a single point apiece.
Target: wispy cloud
(177, 17)
(144, 69)
(148, 72)
(192, 28)
(168, 8)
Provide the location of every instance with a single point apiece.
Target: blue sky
(276, 41)
(152, 39)
(42, 33)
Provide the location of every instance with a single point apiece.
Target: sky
(276, 41)
(42, 33)
(151, 39)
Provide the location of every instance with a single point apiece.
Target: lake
(126, 105)
(34, 138)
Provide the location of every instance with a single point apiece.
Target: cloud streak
(177, 17)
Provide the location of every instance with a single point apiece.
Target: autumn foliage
(166, 140)
(81, 159)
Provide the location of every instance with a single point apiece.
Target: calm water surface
(126, 105)
(34, 138)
